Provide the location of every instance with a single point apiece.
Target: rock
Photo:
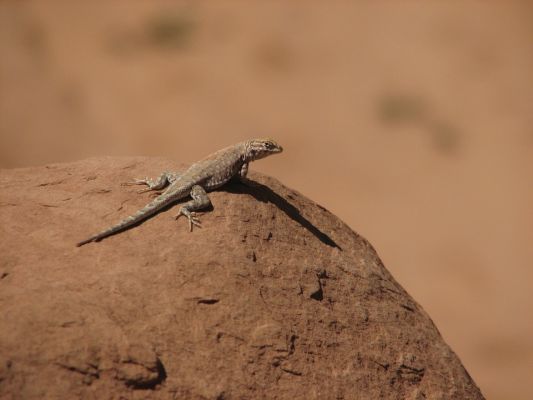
(274, 297)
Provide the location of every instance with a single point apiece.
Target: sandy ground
(411, 121)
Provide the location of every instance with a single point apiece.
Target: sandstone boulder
(273, 298)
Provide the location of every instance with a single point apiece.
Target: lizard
(204, 176)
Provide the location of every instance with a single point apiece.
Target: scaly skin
(203, 176)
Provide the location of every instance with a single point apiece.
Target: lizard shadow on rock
(266, 195)
(261, 193)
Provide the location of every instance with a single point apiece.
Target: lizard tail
(149, 210)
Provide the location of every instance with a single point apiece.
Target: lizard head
(256, 149)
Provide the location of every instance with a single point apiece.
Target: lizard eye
(269, 146)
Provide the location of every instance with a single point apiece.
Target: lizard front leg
(243, 171)
(159, 183)
(240, 176)
(199, 200)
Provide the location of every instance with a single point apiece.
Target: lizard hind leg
(158, 183)
(200, 200)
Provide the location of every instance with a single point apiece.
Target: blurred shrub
(414, 110)
(169, 29)
(401, 108)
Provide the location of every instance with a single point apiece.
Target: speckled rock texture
(274, 298)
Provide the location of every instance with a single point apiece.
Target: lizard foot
(136, 182)
(151, 185)
(191, 215)
(159, 183)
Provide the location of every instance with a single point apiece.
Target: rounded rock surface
(274, 297)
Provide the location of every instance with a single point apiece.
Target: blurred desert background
(412, 121)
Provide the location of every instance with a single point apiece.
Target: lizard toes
(194, 221)
(134, 182)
